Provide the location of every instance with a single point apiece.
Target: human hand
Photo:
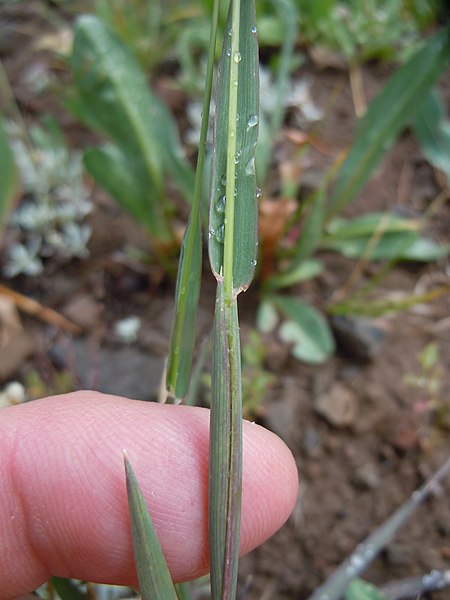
(63, 503)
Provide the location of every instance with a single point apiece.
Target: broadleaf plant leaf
(396, 106)
(381, 236)
(155, 582)
(126, 181)
(112, 93)
(306, 328)
(362, 590)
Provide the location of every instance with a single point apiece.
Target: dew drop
(250, 168)
(229, 52)
(254, 262)
(258, 192)
(254, 29)
(220, 234)
(220, 204)
(253, 121)
(237, 57)
(223, 179)
(211, 232)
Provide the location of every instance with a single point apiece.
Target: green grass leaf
(233, 208)
(9, 180)
(154, 578)
(306, 328)
(182, 342)
(396, 106)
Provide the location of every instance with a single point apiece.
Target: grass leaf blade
(233, 182)
(396, 106)
(187, 292)
(154, 578)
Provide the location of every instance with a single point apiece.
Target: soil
(363, 437)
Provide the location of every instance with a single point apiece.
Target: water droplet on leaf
(253, 121)
(250, 168)
(237, 57)
(220, 234)
(220, 204)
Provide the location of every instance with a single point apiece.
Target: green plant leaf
(312, 229)
(114, 96)
(307, 269)
(182, 341)
(379, 236)
(432, 129)
(362, 590)
(68, 589)
(266, 317)
(233, 181)
(366, 225)
(396, 105)
(127, 182)
(225, 450)
(9, 179)
(306, 328)
(153, 573)
(425, 250)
